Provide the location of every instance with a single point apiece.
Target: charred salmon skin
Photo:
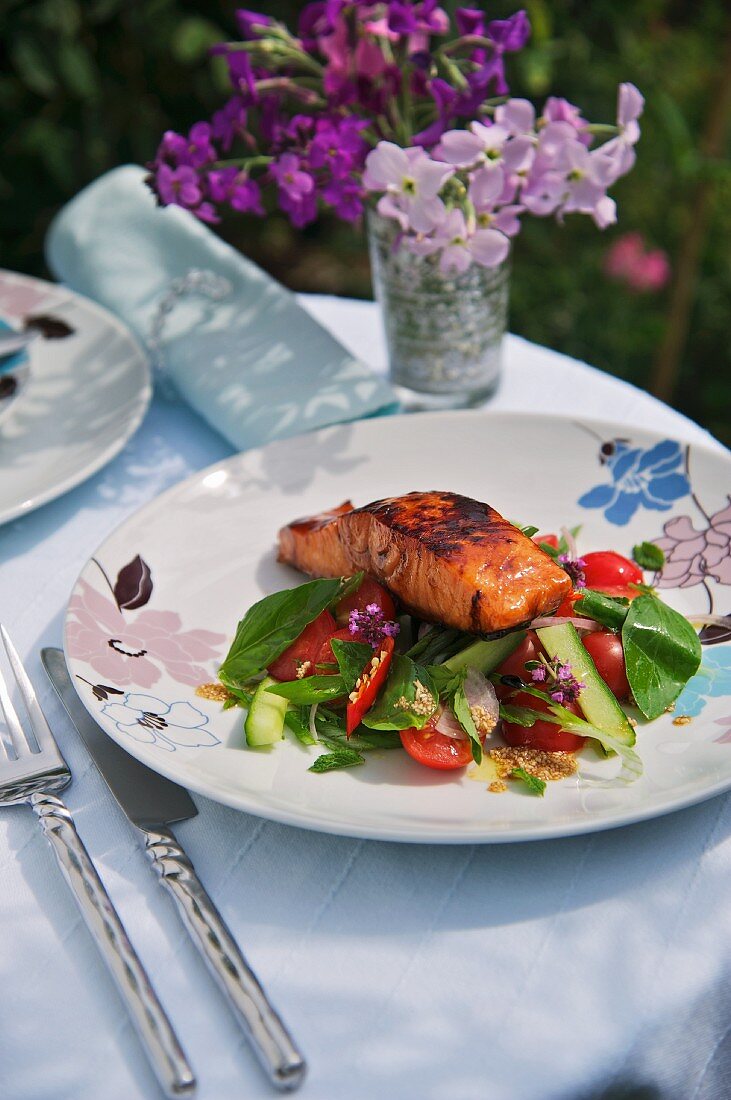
(448, 558)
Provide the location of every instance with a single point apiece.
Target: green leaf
(310, 689)
(394, 708)
(552, 551)
(78, 70)
(529, 532)
(438, 644)
(445, 680)
(648, 556)
(352, 658)
(272, 624)
(661, 652)
(461, 708)
(192, 38)
(532, 782)
(339, 758)
(520, 716)
(610, 611)
(300, 727)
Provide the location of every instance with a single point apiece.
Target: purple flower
(346, 198)
(338, 148)
(562, 685)
(412, 180)
(371, 625)
(486, 145)
(180, 186)
(241, 74)
(251, 23)
(510, 34)
(470, 21)
(575, 569)
(200, 149)
(237, 189)
(413, 19)
(173, 147)
(229, 123)
(445, 99)
(293, 182)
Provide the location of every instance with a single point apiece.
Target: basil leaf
(352, 658)
(532, 782)
(461, 708)
(445, 680)
(397, 707)
(272, 624)
(529, 532)
(300, 726)
(661, 652)
(610, 611)
(648, 556)
(310, 689)
(339, 758)
(552, 551)
(520, 716)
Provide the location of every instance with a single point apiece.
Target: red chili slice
(364, 694)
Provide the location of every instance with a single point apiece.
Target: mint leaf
(532, 782)
(648, 556)
(661, 652)
(352, 658)
(272, 624)
(339, 758)
(310, 689)
(299, 724)
(397, 707)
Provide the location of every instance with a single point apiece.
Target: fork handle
(270, 1039)
(148, 1016)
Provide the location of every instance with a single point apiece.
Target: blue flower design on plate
(155, 722)
(647, 478)
(713, 679)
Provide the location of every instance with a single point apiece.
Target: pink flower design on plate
(18, 298)
(133, 653)
(691, 556)
(725, 735)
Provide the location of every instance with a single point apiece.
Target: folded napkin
(255, 365)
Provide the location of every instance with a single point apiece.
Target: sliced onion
(711, 620)
(447, 724)
(481, 693)
(570, 542)
(313, 727)
(587, 625)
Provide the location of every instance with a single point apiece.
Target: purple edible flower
(371, 625)
(575, 569)
(563, 687)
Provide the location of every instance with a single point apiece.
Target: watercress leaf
(610, 611)
(272, 624)
(661, 652)
(648, 556)
(339, 758)
(352, 658)
(397, 707)
(532, 782)
(310, 689)
(461, 708)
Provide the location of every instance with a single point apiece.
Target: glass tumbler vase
(444, 331)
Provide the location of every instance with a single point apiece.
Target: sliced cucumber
(600, 707)
(265, 721)
(486, 655)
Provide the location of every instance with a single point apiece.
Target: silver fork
(32, 771)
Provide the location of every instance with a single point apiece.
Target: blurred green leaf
(77, 70)
(32, 67)
(193, 38)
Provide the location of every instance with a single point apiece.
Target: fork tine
(43, 736)
(14, 738)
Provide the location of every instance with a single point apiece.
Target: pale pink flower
(628, 260)
(412, 180)
(485, 191)
(491, 145)
(136, 652)
(619, 151)
(517, 116)
(459, 247)
(693, 555)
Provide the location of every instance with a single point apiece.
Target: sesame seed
(544, 765)
(682, 720)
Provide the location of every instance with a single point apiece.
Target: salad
(338, 665)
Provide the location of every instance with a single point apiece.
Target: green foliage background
(89, 84)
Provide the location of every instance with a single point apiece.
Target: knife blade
(152, 803)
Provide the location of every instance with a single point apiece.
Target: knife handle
(148, 1016)
(270, 1039)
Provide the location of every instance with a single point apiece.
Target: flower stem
(99, 566)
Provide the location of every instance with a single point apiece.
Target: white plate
(209, 546)
(85, 396)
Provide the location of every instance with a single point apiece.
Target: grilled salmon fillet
(448, 558)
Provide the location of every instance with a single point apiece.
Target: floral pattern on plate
(130, 647)
(153, 721)
(640, 478)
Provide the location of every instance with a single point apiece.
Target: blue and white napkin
(255, 365)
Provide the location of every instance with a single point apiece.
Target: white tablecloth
(516, 972)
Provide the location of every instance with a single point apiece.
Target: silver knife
(153, 803)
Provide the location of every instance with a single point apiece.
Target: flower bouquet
(384, 108)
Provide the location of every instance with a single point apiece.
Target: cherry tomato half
(372, 680)
(605, 569)
(541, 735)
(370, 591)
(514, 665)
(436, 750)
(326, 655)
(605, 649)
(304, 648)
